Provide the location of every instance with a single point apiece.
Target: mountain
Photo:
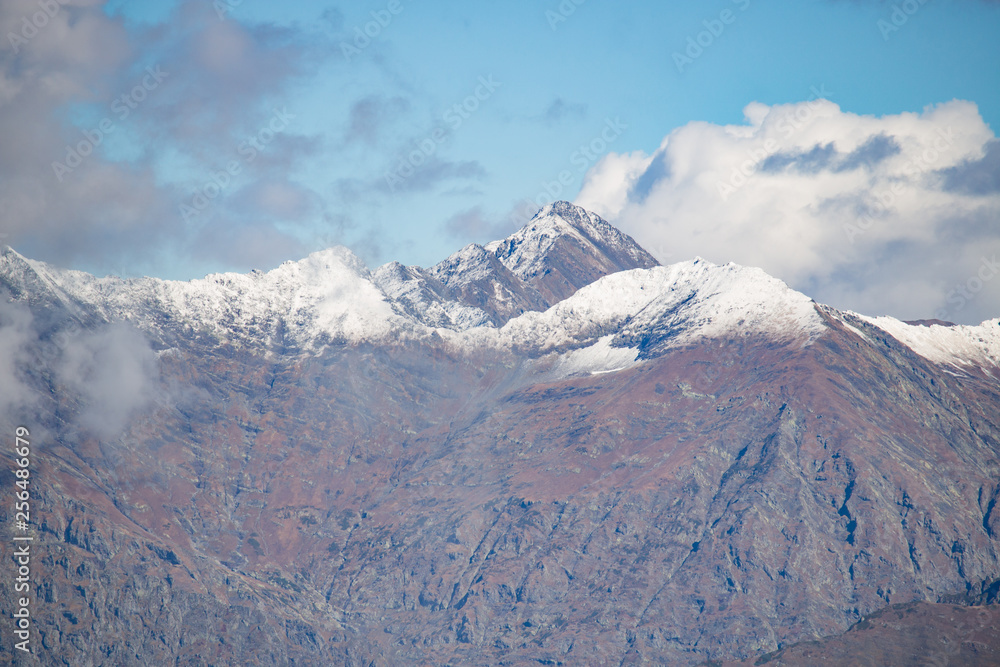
(562, 249)
(545, 450)
(899, 635)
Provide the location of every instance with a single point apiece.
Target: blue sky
(274, 130)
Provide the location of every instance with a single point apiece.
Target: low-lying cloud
(16, 333)
(104, 375)
(112, 371)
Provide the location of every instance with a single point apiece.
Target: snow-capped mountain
(561, 249)
(565, 280)
(959, 345)
(331, 295)
(565, 247)
(326, 296)
(545, 450)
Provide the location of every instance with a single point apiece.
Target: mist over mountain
(546, 450)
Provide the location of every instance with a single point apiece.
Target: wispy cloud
(16, 333)
(80, 93)
(102, 375)
(369, 117)
(475, 224)
(432, 173)
(561, 111)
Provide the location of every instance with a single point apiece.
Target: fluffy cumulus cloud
(895, 215)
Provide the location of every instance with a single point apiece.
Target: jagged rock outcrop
(669, 465)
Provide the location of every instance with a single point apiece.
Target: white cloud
(16, 334)
(113, 371)
(107, 374)
(862, 212)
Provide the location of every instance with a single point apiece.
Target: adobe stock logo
(964, 293)
(223, 7)
(582, 158)
(714, 28)
(363, 36)
(455, 116)
(885, 198)
(122, 107)
(29, 28)
(900, 15)
(788, 125)
(220, 180)
(565, 9)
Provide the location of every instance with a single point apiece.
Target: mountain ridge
(324, 464)
(331, 295)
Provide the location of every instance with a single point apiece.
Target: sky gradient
(181, 138)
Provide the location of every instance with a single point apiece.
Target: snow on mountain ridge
(729, 300)
(959, 345)
(524, 251)
(329, 293)
(691, 300)
(466, 266)
(563, 248)
(412, 290)
(472, 298)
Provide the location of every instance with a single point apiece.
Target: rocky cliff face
(669, 465)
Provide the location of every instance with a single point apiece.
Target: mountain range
(545, 450)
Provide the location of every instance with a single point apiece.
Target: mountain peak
(567, 212)
(565, 247)
(317, 264)
(562, 248)
(7, 251)
(469, 264)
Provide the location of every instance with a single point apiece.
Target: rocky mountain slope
(545, 450)
(902, 635)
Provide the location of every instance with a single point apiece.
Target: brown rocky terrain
(904, 634)
(418, 503)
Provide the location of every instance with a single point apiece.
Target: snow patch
(960, 345)
(599, 358)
